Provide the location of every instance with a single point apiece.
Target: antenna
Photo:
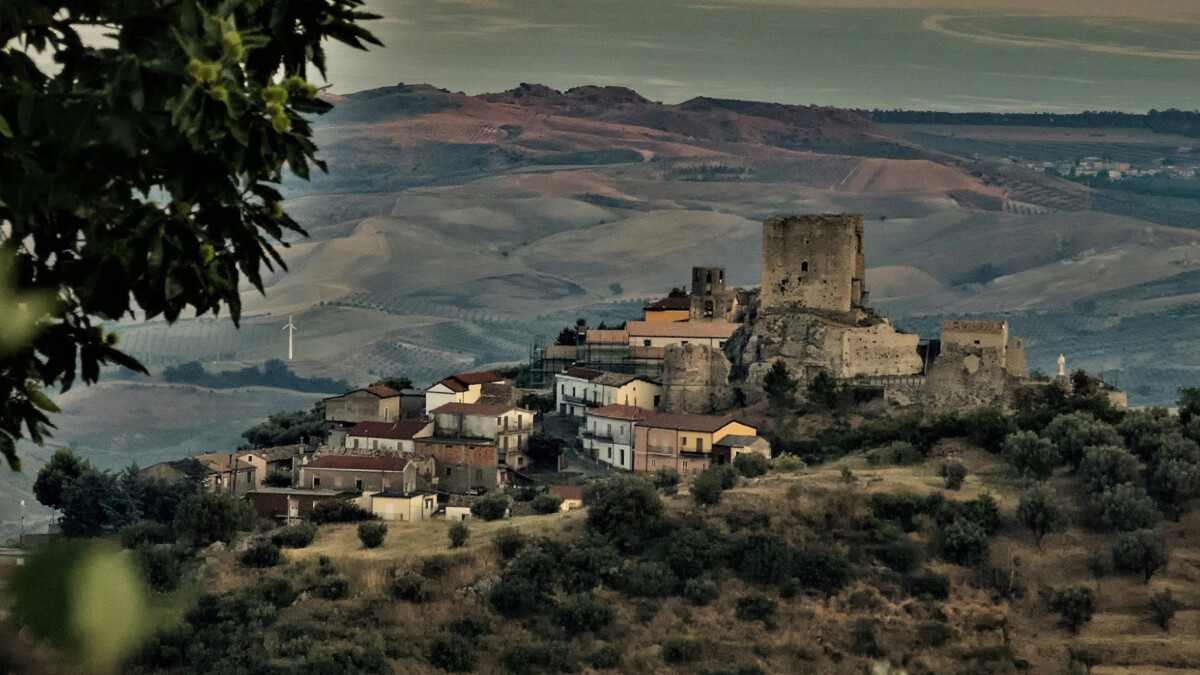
(291, 329)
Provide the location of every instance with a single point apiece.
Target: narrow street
(567, 429)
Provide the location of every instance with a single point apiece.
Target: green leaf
(5, 130)
(41, 400)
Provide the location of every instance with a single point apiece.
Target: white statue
(1062, 366)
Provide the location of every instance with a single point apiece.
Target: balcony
(578, 400)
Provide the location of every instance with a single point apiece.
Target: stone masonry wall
(813, 261)
(695, 380)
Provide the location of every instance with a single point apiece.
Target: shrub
(1076, 606)
(1107, 466)
(508, 542)
(627, 510)
(762, 559)
(1173, 483)
(516, 597)
(1042, 511)
(756, 607)
(983, 511)
(751, 464)
(1099, 563)
(607, 657)
(931, 585)
(294, 536)
(333, 587)
(896, 452)
(277, 480)
(1163, 606)
(436, 566)
(410, 587)
(727, 474)
(821, 569)
(545, 504)
(159, 566)
(142, 532)
(649, 579)
(551, 657)
(706, 489)
(863, 640)
(901, 554)
(583, 613)
(780, 386)
(339, 511)
(1031, 456)
(954, 474)
(452, 653)
(787, 463)
(471, 625)
(1081, 659)
(277, 590)
(680, 650)
(665, 478)
(1123, 508)
(458, 534)
(262, 554)
(491, 507)
(206, 517)
(904, 508)
(934, 634)
(964, 542)
(372, 533)
(1071, 433)
(700, 591)
(987, 428)
(1139, 552)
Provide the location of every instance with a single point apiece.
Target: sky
(1070, 55)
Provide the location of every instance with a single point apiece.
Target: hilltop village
(664, 391)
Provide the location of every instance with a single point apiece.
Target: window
(804, 266)
(447, 472)
(683, 342)
(977, 342)
(699, 445)
(356, 442)
(316, 481)
(685, 465)
(357, 484)
(610, 453)
(374, 445)
(645, 343)
(622, 457)
(610, 430)
(387, 483)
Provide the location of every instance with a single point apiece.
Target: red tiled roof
(597, 336)
(573, 492)
(681, 329)
(588, 374)
(472, 409)
(685, 422)
(400, 430)
(382, 391)
(616, 411)
(359, 463)
(670, 304)
(463, 381)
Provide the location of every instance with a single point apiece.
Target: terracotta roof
(682, 329)
(581, 373)
(382, 391)
(670, 304)
(685, 422)
(561, 351)
(616, 411)
(597, 336)
(473, 409)
(359, 463)
(276, 453)
(463, 381)
(619, 379)
(400, 430)
(573, 492)
(450, 440)
(220, 461)
(735, 441)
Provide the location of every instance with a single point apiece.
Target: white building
(460, 388)
(387, 436)
(607, 433)
(509, 427)
(662, 334)
(580, 390)
(575, 392)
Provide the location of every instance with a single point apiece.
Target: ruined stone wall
(1014, 361)
(993, 334)
(878, 350)
(695, 380)
(969, 376)
(813, 261)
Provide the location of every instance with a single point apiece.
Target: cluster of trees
(287, 428)
(274, 373)
(1172, 121)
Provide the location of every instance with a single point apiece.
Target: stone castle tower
(814, 262)
(710, 300)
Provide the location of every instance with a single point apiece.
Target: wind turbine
(291, 329)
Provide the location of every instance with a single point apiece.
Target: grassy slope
(813, 632)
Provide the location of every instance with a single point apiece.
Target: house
(668, 310)
(661, 334)
(506, 426)
(394, 437)
(574, 391)
(729, 447)
(412, 403)
(680, 441)
(370, 404)
(218, 471)
(608, 432)
(461, 465)
(289, 504)
(571, 496)
(283, 460)
(460, 388)
(579, 390)
(359, 474)
(404, 506)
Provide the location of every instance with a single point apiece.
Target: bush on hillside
(954, 473)
(372, 533)
(261, 554)
(1031, 456)
(159, 565)
(626, 510)
(142, 532)
(700, 591)
(294, 536)
(452, 653)
(751, 464)
(821, 569)
(339, 511)
(583, 613)
(665, 478)
(1163, 606)
(1042, 511)
(756, 607)
(1173, 483)
(607, 657)
(1139, 552)
(471, 625)
(648, 579)
(929, 585)
(1076, 606)
(458, 534)
(1123, 508)
(545, 505)
(410, 587)
(1072, 433)
(332, 587)
(1107, 466)
(543, 657)
(508, 542)
(206, 518)
(491, 507)
(964, 542)
(706, 489)
(680, 650)
(787, 463)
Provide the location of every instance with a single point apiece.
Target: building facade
(608, 434)
(393, 437)
(344, 473)
(681, 442)
(460, 388)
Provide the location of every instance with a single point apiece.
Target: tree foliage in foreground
(142, 174)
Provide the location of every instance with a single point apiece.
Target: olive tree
(1073, 432)
(1031, 456)
(1141, 552)
(139, 177)
(1042, 511)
